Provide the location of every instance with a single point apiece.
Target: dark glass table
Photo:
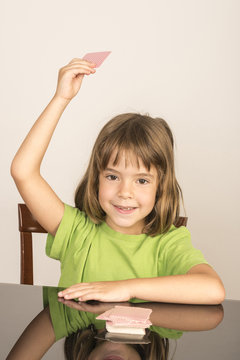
(180, 331)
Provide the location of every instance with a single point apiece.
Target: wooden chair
(27, 226)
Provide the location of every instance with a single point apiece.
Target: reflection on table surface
(43, 326)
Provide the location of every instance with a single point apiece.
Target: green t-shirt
(90, 252)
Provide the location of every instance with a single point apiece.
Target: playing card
(97, 57)
(128, 316)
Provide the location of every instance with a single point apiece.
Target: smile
(113, 357)
(124, 209)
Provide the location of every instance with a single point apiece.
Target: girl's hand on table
(106, 291)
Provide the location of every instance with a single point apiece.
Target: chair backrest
(27, 226)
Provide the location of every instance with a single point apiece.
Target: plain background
(175, 59)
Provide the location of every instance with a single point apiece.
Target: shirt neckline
(121, 236)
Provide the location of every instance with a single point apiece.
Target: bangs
(134, 146)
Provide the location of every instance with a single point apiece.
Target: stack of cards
(126, 320)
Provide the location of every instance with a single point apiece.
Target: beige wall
(175, 59)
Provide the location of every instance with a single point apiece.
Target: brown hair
(79, 345)
(149, 139)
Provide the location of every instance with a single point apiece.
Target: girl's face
(127, 194)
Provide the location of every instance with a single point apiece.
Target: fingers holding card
(97, 57)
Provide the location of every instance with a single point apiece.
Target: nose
(125, 190)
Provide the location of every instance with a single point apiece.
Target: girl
(119, 242)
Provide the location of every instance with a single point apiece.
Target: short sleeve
(178, 255)
(57, 245)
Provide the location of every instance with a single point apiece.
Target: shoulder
(174, 241)
(177, 253)
(175, 234)
(74, 217)
(75, 225)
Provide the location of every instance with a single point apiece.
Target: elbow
(15, 171)
(19, 171)
(221, 296)
(218, 293)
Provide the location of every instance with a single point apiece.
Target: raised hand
(70, 77)
(106, 291)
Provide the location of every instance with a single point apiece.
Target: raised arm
(39, 197)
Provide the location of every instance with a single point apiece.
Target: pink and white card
(127, 316)
(97, 57)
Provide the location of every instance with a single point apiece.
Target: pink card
(127, 316)
(97, 57)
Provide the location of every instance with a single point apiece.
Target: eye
(111, 177)
(142, 181)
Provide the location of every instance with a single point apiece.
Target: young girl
(119, 242)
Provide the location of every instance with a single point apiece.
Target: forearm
(186, 289)
(28, 159)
